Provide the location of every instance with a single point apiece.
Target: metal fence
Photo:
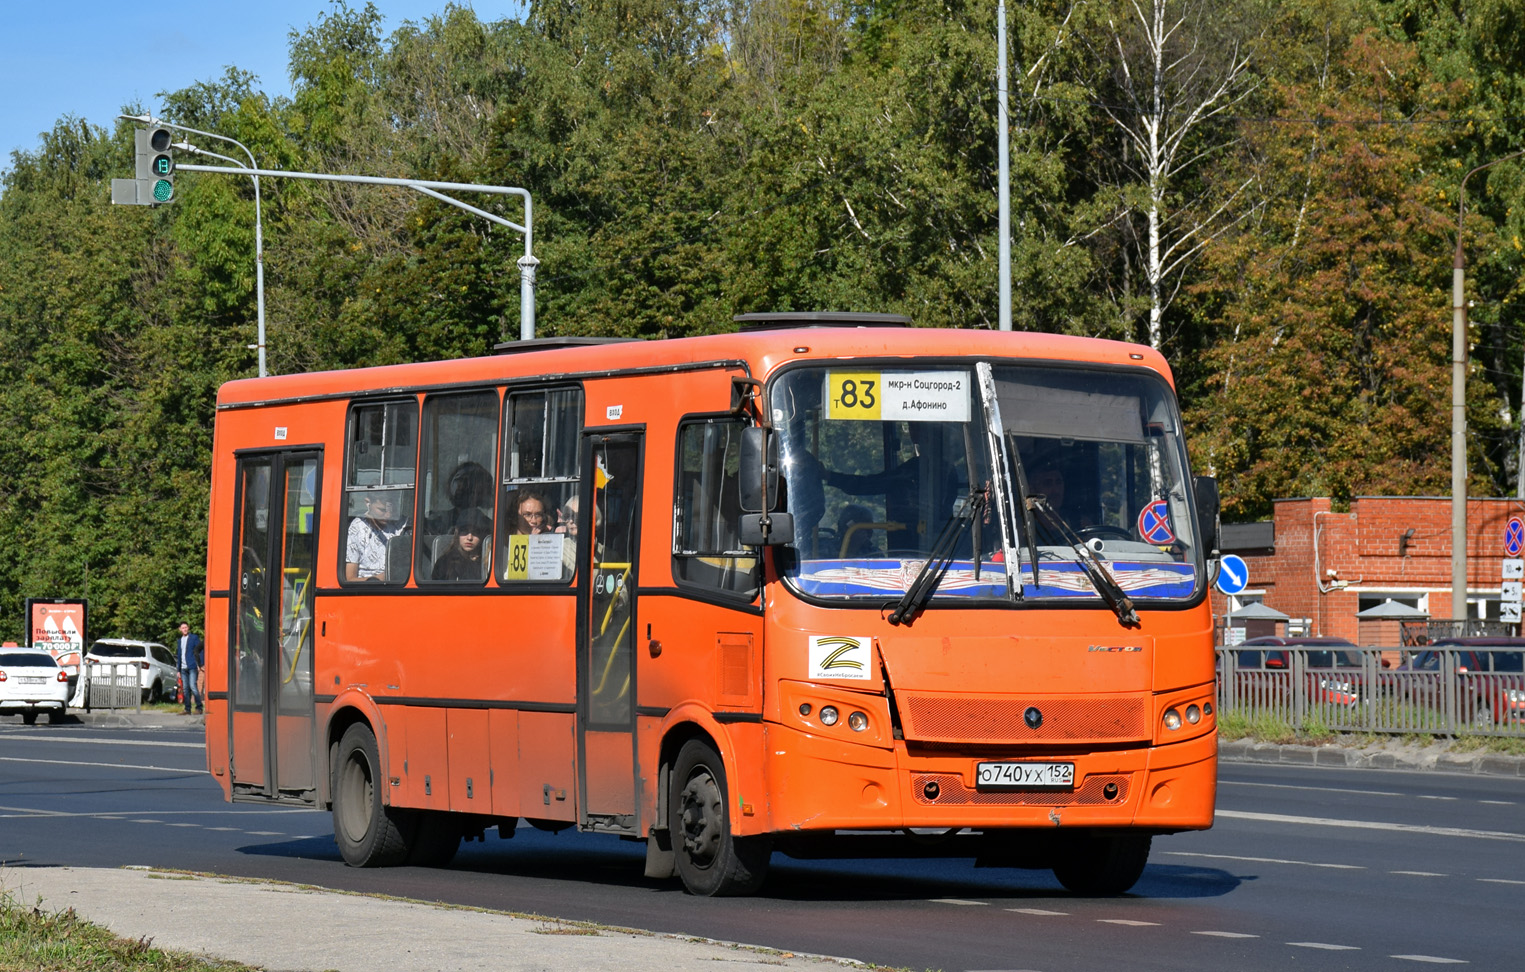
(112, 685)
(1450, 692)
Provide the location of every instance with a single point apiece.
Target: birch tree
(1174, 77)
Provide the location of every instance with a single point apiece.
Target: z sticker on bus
(837, 656)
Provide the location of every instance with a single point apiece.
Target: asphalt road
(1307, 867)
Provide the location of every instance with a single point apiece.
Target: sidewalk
(282, 927)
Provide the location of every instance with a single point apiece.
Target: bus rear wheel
(369, 833)
(1103, 865)
(712, 861)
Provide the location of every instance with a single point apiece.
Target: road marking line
(98, 741)
(1268, 860)
(1127, 921)
(1419, 873)
(222, 828)
(184, 825)
(1498, 803)
(1499, 881)
(1434, 959)
(1423, 796)
(959, 901)
(1040, 912)
(1372, 825)
(1316, 789)
(1219, 934)
(265, 833)
(160, 822)
(70, 762)
(1326, 946)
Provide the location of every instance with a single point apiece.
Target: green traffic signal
(163, 190)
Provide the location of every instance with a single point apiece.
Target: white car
(31, 682)
(157, 673)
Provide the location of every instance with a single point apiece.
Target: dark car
(1331, 670)
(1489, 674)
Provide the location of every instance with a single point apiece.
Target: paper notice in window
(545, 556)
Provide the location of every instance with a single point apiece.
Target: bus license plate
(1024, 776)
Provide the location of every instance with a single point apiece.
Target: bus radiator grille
(951, 791)
(941, 718)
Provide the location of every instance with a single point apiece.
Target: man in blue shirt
(191, 659)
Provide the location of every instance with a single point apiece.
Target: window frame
(492, 469)
(348, 488)
(706, 419)
(506, 483)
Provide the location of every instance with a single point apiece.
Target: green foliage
(693, 160)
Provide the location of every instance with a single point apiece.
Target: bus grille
(951, 791)
(950, 719)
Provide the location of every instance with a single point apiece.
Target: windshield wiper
(1101, 578)
(938, 561)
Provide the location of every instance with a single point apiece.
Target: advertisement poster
(58, 624)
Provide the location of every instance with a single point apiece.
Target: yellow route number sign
(898, 396)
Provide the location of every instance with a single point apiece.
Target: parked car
(31, 682)
(1490, 679)
(1332, 670)
(157, 672)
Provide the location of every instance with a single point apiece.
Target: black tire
(1103, 865)
(436, 840)
(155, 692)
(54, 718)
(369, 833)
(711, 860)
(29, 718)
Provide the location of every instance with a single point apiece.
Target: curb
(1480, 764)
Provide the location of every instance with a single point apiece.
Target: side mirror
(780, 529)
(759, 458)
(1208, 504)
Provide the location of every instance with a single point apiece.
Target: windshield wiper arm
(938, 561)
(1101, 578)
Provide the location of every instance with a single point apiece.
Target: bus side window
(456, 493)
(537, 506)
(707, 550)
(378, 493)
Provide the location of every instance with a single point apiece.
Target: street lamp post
(1003, 192)
(259, 243)
(1459, 405)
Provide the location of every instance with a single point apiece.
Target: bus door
(606, 631)
(270, 665)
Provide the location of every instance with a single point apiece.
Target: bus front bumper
(818, 784)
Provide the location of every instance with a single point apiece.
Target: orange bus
(827, 586)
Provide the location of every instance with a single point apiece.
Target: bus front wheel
(1103, 865)
(711, 860)
(369, 833)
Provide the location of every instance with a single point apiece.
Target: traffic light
(154, 154)
(155, 175)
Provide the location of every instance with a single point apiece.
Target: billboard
(58, 624)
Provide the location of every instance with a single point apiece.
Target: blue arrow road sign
(1233, 574)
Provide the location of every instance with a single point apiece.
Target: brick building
(1321, 567)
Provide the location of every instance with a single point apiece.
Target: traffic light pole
(259, 242)
(527, 263)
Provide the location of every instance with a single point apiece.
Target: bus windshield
(1082, 468)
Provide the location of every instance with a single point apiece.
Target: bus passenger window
(460, 434)
(537, 529)
(378, 493)
(707, 549)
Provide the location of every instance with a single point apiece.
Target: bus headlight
(857, 722)
(1193, 714)
(1172, 719)
(829, 715)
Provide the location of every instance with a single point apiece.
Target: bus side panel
(426, 765)
(503, 750)
(470, 760)
(548, 765)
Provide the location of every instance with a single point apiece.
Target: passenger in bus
(856, 543)
(365, 547)
(469, 489)
(530, 513)
(464, 561)
(566, 524)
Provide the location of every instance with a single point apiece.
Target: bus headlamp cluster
(830, 715)
(1194, 714)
